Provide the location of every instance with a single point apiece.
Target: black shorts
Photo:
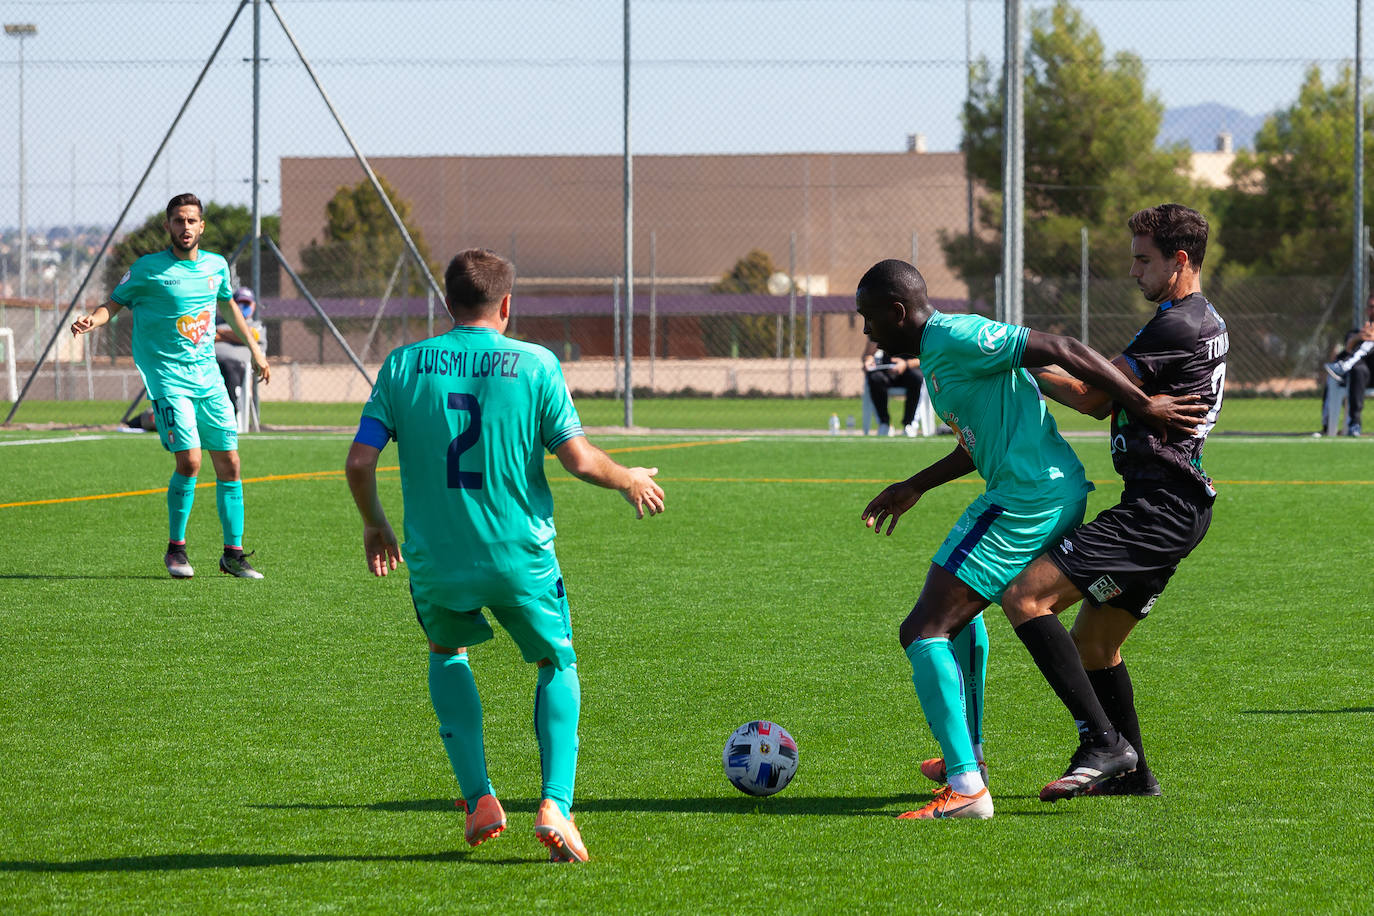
(1126, 555)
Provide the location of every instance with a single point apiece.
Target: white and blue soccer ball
(760, 758)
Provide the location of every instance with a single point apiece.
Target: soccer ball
(760, 758)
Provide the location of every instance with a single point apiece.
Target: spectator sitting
(1349, 370)
(233, 354)
(883, 372)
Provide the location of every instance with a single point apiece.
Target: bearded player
(172, 295)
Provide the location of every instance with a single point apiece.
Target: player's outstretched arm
(1072, 393)
(1163, 412)
(889, 505)
(380, 547)
(587, 462)
(99, 318)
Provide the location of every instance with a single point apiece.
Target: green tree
(362, 246)
(1090, 159)
(744, 335)
(749, 275)
(225, 226)
(1288, 210)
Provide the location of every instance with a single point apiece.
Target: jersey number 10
(460, 479)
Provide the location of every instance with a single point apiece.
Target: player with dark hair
(473, 412)
(172, 295)
(1119, 564)
(1036, 490)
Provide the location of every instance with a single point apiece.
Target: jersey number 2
(459, 479)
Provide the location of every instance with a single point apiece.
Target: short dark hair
(895, 279)
(1173, 228)
(184, 200)
(477, 280)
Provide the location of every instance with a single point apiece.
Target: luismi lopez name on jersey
(481, 364)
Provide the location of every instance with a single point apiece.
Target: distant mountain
(1198, 126)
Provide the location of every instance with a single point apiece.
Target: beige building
(560, 217)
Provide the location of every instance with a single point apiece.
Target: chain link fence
(780, 148)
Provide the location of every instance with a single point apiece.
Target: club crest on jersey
(212, 284)
(1104, 590)
(194, 327)
(991, 337)
(934, 383)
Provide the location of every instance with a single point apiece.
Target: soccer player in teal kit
(1036, 491)
(473, 413)
(172, 295)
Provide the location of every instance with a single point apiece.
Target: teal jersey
(473, 413)
(972, 369)
(173, 303)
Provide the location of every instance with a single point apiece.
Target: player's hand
(1176, 414)
(642, 492)
(82, 325)
(889, 505)
(381, 549)
(262, 370)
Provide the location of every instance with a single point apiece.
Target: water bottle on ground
(834, 424)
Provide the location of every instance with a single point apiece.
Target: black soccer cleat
(238, 566)
(1139, 782)
(1090, 765)
(178, 566)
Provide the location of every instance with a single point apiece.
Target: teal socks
(940, 688)
(229, 502)
(557, 705)
(970, 646)
(453, 691)
(181, 493)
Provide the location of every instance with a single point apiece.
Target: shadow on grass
(1307, 712)
(808, 805)
(191, 861)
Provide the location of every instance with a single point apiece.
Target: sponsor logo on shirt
(194, 327)
(1104, 590)
(991, 337)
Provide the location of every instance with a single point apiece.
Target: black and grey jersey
(1180, 351)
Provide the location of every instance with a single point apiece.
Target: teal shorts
(991, 544)
(184, 422)
(541, 629)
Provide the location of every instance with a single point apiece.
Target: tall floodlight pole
(1013, 167)
(629, 240)
(1358, 278)
(21, 31)
(255, 252)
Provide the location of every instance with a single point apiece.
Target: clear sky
(105, 78)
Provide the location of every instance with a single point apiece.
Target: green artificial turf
(215, 745)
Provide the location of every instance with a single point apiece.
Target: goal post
(7, 356)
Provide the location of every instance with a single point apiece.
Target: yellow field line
(307, 475)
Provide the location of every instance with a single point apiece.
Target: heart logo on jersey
(194, 327)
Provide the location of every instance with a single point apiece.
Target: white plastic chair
(925, 411)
